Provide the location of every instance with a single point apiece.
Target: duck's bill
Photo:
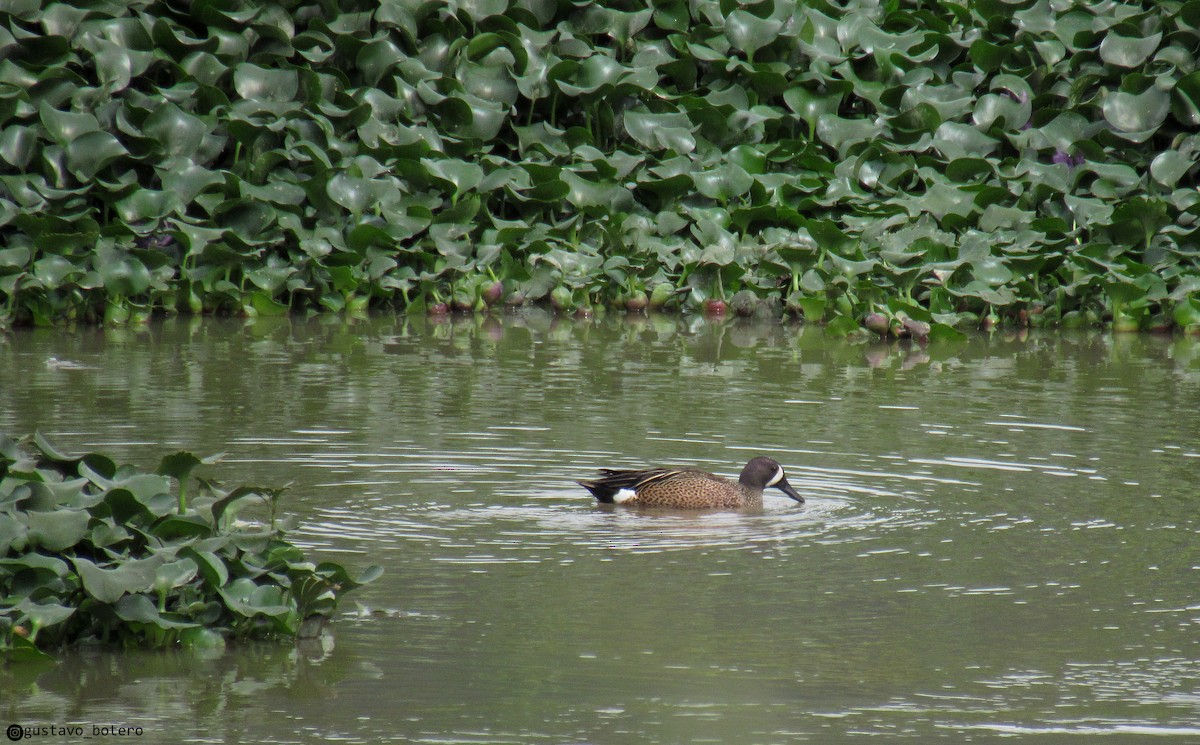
(787, 489)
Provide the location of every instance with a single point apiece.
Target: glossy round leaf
(109, 585)
(809, 105)
(18, 145)
(921, 118)
(43, 614)
(596, 72)
(723, 183)
(377, 58)
(115, 63)
(141, 609)
(174, 574)
(122, 274)
(57, 530)
(179, 132)
(463, 175)
(255, 83)
(1185, 99)
(961, 141)
(64, 127)
(1135, 113)
(489, 81)
(660, 131)
(144, 205)
(53, 270)
(186, 180)
(246, 598)
(478, 10)
(750, 158)
(89, 153)
(671, 15)
(351, 192)
(1128, 51)
(1169, 166)
(748, 33)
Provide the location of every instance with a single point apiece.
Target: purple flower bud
(1063, 158)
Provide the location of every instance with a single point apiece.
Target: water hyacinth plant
(1002, 161)
(93, 551)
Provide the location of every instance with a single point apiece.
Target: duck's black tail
(610, 482)
(600, 490)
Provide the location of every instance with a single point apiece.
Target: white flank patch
(777, 477)
(624, 495)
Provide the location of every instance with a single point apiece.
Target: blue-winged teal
(690, 487)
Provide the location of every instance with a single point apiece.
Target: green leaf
(992, 271)
(121, 273)
(463, 175)
(205, 642)
(43, 614)
(813, 308)
(841, 326)
(1169, 166)
(50, 452)
(719, 253)
(254, 83)
(141, 609)
(13, 534)
(1133, 114)
(244, 597)
(671, 15)
(723, 183)
(749, 33)
(1185, 99)
(1126, 51)
(109, 585)
(24, 653)
(65, 127)
(229, 500)
(144, 205)
(40, 563)
(174, 574)
(18, 145)
(961, 141)
(376, 58)
(179, 132)
(672, 131)
(57, 530)
(987, 56)
(941, 333)
(267, 306)
(211, 566)
(90, 152)
(810, 105)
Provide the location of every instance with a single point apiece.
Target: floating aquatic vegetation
(1008, 161)
(95, 551)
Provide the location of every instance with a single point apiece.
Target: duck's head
(763, 472)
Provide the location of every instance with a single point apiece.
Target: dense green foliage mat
(950, 162)
(92, 551)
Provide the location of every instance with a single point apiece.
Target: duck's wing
(612, 481)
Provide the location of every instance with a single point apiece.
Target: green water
(1000, 539)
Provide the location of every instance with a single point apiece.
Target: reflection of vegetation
(94, 551)
(953, 164)
(174, 694)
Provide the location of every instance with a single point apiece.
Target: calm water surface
(1000, 541)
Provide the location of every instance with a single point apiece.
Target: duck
(690, 488)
